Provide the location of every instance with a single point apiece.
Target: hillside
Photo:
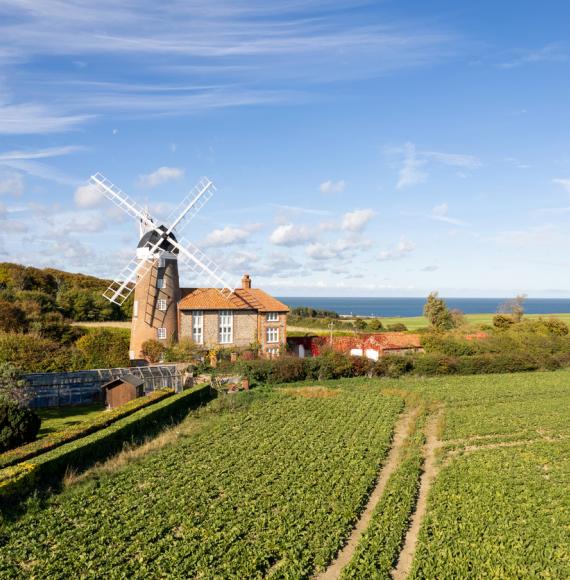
(40, 292)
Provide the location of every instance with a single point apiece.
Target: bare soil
(401, 432)
(429, 474)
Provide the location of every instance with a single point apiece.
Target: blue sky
(359, 148)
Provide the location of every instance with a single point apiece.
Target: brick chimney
(246, 282)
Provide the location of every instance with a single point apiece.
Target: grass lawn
(60, 418)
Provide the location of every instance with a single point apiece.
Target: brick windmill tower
(153, 272)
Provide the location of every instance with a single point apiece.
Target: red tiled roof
(240, 299)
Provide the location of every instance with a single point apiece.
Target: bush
(105, 348)
(32, 354)
(18, 425)
(446, 344)
(153, 350)
(397, 327)
(496, 363)
(394, 365)
(429, 365)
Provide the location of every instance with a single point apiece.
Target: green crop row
(377, 552)
(499, 513)
(271, 488)
(99, 421)
(49, 467)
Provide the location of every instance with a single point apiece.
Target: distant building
(371, 346)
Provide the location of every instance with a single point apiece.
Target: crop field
(275, 485)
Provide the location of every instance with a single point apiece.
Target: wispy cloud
(403, 249)
(415, 163)
(440, 213)
(223, 56)
(553, 52)
(355, 221)
(230, 235)
(563, 182)
(26, 161)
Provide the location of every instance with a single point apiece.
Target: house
(371, 346)
(248, 316)
(165, 312)
(122, 390)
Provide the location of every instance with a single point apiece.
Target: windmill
(153, 273)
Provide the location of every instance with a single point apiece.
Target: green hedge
(333, 365)
(100, 421)
(48, 469)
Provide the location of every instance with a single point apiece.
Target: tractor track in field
(401, 432)
(430, 471)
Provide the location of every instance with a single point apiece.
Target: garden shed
(122, 390)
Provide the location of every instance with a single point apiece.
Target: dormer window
(272, 317)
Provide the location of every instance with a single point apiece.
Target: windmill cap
(152, 237)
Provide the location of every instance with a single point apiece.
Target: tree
(376, 325)
(502, 321)
(397, 327)
(514, 307)
(438, 314)
(185, 350)
(153, 350)
(360, 324)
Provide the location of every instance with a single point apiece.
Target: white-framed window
(198, 326)
(160, 282)
(271, 335)
(161, 333)
(135, 308)
(272, 352)
(132, 355)
(162, 304)
(226, 326)
(272, 317)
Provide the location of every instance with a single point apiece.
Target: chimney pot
(246, 282)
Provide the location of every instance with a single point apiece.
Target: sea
(395, 307)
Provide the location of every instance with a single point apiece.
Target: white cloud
(411, 173)
(415, 162)
(564, 182)
(356, 220)
(229, 235)
(32, 118)
(331, 187)
(290, 235)
(401, 250)
(430, 268)
(161, 175)
(342, 248)
(440, 213)
(11, 184)
(88, 196)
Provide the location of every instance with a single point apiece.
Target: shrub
(31, 353)
(105, 348)
(376, 325)
(185, 350)
(446, 344)
(429, 365)
(362, 366)
(334, 365)
(18, 425)
(394, 365)
(502, 321)
(397, 327)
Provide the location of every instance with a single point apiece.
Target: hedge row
(100, 421)
(48, 468)
(336, 365)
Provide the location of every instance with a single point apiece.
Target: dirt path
(430, 470)
(344, 556)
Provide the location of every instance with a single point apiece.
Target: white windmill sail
(121, 288)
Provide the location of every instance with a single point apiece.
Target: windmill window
(272, 335)
(198, 326)
(226, 324)
(162, 305)
(272, 317)
(160, 282)
(161, 333)
(135, 308)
